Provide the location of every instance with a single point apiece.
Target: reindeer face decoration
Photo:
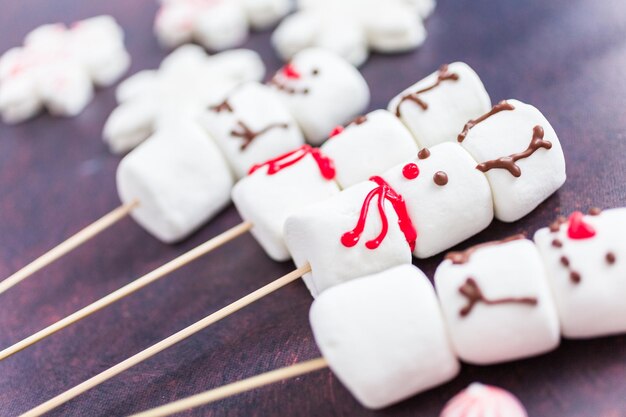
(585, 260)
(321, 91)
(485, 298)
(251, 125)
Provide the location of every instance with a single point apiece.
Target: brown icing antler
(474, 295)
(248, 135)
(501, 106)
(442, 76)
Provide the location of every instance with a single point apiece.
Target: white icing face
(383, 336)
(585, 258)
(496, 302)
(321, 91)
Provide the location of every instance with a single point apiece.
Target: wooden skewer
(166, 343)
(235, 388)
(128, 289)
(69, 245)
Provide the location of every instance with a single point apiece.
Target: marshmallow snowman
(351, 28)
(480, 400)
(370, 144)
(321, 90)
(520, 153)
(187, 82)
(251, 125)
(215, 24)
(363, 230)
(436, 108)
(57, 68)
(497, 303)
(277, 188)
(179, 179)
(383, 336)
(447, 198)
(584, 258)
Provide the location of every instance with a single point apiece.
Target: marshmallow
(187, 82)
(585, 257)
(178, 177)
(496, 302)
(351, 28)
(520, 153)
(278, 188)
(369, 145)
(383, 336)
(251, 126)
(57, 67)
(321, 91)
(480, 400)
(362, 230)
(215, 24)
(448, 200)
(436, 108)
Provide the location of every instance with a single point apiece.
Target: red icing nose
(337, 130)
(290, 71)
(578, 228)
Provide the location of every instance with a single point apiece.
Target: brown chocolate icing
(501, 106)
(248, 135)
(423, 154)
(440, 178)
(610, 258)
(224, 106)
(474, 295)
(358, 120)
(557, 243)
(509, 162)
(275, 82)
(595, 211)
(575, 277)
(555, 226)
(442, 76)
(462, 257)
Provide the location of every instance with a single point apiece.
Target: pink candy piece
(480, 400)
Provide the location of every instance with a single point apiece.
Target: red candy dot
(337, 130)
(578, 228)
(410, 171)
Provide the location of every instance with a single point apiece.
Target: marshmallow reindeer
(215, 24)
(351, 28)
(58, 66)
(186, 83)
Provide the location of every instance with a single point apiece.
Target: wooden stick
(69, 245)
(166, 343)
(235, 388)
(128, 289)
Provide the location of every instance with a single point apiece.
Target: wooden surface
(567, 57)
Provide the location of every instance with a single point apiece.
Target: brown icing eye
(315, 71)
(610, 258)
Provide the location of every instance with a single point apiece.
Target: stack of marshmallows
(388, 336)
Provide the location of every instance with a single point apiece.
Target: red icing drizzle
(325, 164)
(290, 71)
(578, 228)
(336, 131)
(410, 171)
(382, 192)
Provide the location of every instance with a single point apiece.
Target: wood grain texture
(564, 56)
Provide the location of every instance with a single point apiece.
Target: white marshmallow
(370, 145)
(521, 322)
(251, 126)
(384, 337)
(511, 132)
(266, 199)
(321, 91)
(187, 82)
(393, 29)
(179, 178)
(65, 89)
(265, 13)
(314, 235)
(587, 276)
(450, 104)
(443, 215)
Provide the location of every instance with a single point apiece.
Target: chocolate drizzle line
(223, 106)
(509, 162)
(474, 295)
(462, 257)
(501, 106)
(440, 178)
(423, 154)
(248, 135)
(442, 76)
(274, 82)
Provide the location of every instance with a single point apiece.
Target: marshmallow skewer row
(388, 336)
(393, 245)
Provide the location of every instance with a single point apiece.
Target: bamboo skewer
(235, 388)
(69, 245)
(168, 342)
(128, 289)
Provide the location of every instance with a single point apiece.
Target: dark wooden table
(567, 57)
